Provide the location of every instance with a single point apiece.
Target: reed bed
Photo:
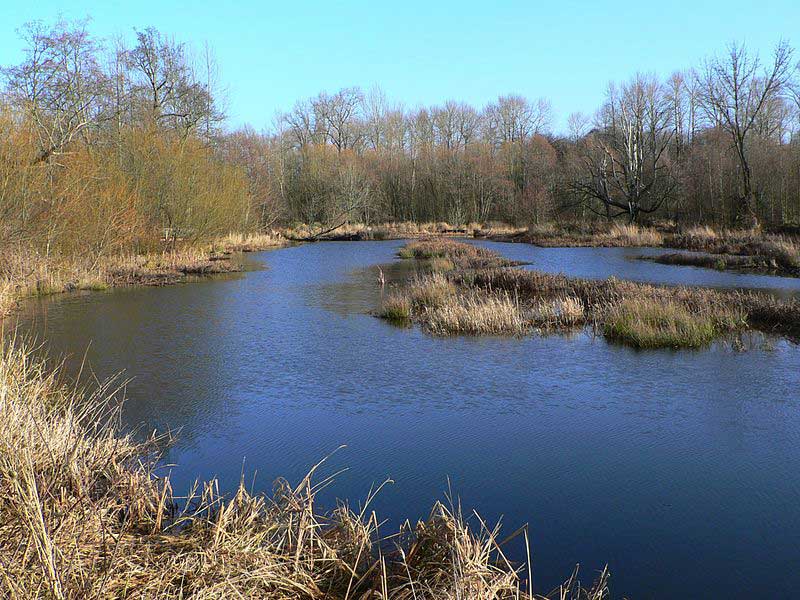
(507, 300)
(248, 242)
(450, 254)
(579, 235)
(85, 514)
(763, 251)
(382, 231)
(731, 249)
(26, 273)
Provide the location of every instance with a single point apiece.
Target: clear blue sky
(423, 52)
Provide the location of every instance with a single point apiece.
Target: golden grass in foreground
(83, 515)
(506, 300)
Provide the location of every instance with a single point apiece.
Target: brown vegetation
(731, 249)
(506, 300)
(83, 514)
(778, 253)
(24, 273)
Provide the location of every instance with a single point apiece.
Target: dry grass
(448, 253)
(720, 262)
(768, 252)
(430, 291)
(579, 235)
(507, 300)
(396, 308)
(477, 314)
(383, 231)
(635, 235)
(248, 242)
(644, 324)
(8, 300)
(83, 515)
(764, 252)
(26, 273)
(557, 313)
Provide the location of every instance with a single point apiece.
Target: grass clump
(430, 292)
(456, 254)
(635, 235)
(477, 315)
(643, 324)
(396, 308)
(248, 242)
(557, 313)
(441, 265)
(83, 515)
(580, 235)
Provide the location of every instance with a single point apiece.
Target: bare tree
(59, 83)
(341, 118)
(515, 119)
(578, 125)
(164, 79)
(734, 92)
(625, 164)
(455, 124)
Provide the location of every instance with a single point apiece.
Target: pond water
(681, 470)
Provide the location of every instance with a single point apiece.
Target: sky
(270, 54)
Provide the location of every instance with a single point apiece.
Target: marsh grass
(381, 231)
(738, 249)
(742, 248)
(84, 514)
(430, 292)
(441, 265)
(513, 301)
(248, 242)
(443, 254)
(396, 308)
(644, 324)
(580, 235)
(476, 314)
(25, 273)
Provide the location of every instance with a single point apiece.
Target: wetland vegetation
(117, 170)
(476, 292)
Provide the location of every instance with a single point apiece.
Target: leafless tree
(625, 163)
(515, 119)
(341, 118)
(58, 84)
(578, 125)
(164, 78)
(735, 90)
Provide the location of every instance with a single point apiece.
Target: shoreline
(729, 250)
(473, 291)
(83, 513)
(30, 276)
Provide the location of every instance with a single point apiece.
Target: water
(679, 469)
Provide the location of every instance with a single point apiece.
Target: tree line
(716, 144)
(108, 146)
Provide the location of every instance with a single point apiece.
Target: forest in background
(107, 148)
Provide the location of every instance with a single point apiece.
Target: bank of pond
(469, 289)
(611, 455)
